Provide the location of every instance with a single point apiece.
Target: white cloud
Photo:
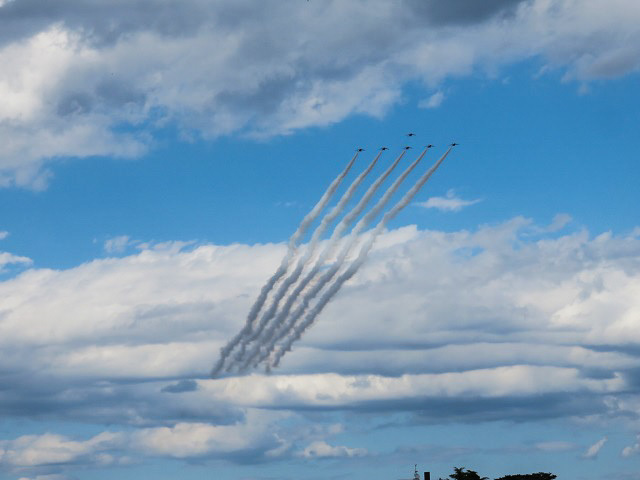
(183, 440)
(321, 449)
(448, 203)
(525, 328)
(3, 234)
(7, 258)
(434, 101)
(593, 450)
(178, 306)
(117, 244)
(467, 326)
(632, 450)
(334, 390)
(257, 434)
(35, 69)
(76, 72)
(559, 222)
(49, 449)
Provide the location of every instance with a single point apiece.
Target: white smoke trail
(284, 265)
(279, 328)
(353, 268)
(304, 260)
(344, 223)
(348, 219)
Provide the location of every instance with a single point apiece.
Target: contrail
(280, 329)
(353, 268)
(291, 249)
(302, 261)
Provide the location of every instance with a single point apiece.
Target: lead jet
(411, 134)
(384, 148)
(407, 148)
(360, 150)
(429, 146)
(454, 144)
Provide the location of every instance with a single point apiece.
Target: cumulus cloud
(410, 389)
(593, 450)
(448, 203)
(632, 449)
(489, 324)
(51, 449)
(177, 305)
(77, 72)
(256, 436)
(322, 449)
(3, 234)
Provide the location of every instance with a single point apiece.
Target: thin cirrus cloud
(434, 101)
(7, 258)
(118, 244)
(449, 203)
(74, 73)
(593, 450)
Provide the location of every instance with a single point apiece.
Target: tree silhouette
(460, 473)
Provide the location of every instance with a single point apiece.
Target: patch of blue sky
(530, 146)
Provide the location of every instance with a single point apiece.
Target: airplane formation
(410, 134)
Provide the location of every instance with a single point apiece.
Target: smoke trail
(357, 210)
(335, 236)
(353, 268)
(293, 240)
(280, 329)
(313, 214)
(304, 260)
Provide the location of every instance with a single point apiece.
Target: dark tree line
(529, 476)
(460, 473)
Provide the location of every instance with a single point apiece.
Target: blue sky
(157, 158)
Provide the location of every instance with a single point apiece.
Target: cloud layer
(84, 79)
(508, 322)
